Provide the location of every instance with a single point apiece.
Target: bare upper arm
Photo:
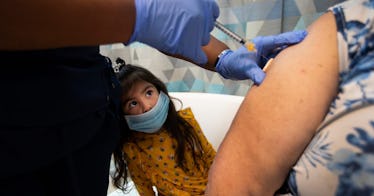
(41, 24)
(277, 119)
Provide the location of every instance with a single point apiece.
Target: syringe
(248, 44)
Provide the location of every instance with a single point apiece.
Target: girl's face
(140, 98)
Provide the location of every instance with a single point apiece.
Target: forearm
(211, 50)
(43, 24)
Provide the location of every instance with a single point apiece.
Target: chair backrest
(214, 112)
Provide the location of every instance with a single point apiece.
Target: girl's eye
(149, 93)
(132, 104)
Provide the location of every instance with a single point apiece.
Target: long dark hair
(175, 125)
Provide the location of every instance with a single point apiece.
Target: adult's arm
(40, 24)
(277, 119)
(211, 50)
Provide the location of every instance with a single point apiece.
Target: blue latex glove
(270, 46)
(240, 65)
(243, 64)
(176, 26)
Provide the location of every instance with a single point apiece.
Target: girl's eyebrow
(126, 100)
(143, 91)
(148, 87)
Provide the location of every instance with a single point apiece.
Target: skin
(43, 24)
(140, 98)
(212, 50)
(277, 119)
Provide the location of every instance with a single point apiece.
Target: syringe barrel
(228, 32)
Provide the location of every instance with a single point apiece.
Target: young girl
(160, 146)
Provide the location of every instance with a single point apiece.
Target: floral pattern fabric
(152, 163)
(340, 158)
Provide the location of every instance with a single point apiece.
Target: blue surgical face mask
(151, 121)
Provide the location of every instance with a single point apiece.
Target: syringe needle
(230, 33)
(248, 44)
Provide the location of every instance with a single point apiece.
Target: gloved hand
(240, 65)
(176, 26)
(243, 64)
(269, 46)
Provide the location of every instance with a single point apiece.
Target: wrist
(221, 55)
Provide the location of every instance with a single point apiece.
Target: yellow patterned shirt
(152, 163)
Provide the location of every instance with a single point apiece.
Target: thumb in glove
(240, 65)
(269, 46)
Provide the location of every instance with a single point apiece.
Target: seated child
(160, 146)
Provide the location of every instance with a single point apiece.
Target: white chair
(214, 112)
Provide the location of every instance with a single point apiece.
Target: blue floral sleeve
(340, 158)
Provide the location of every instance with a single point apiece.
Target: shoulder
(186, 112)
(188, 115)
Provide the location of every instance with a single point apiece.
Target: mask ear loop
(180, 102)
